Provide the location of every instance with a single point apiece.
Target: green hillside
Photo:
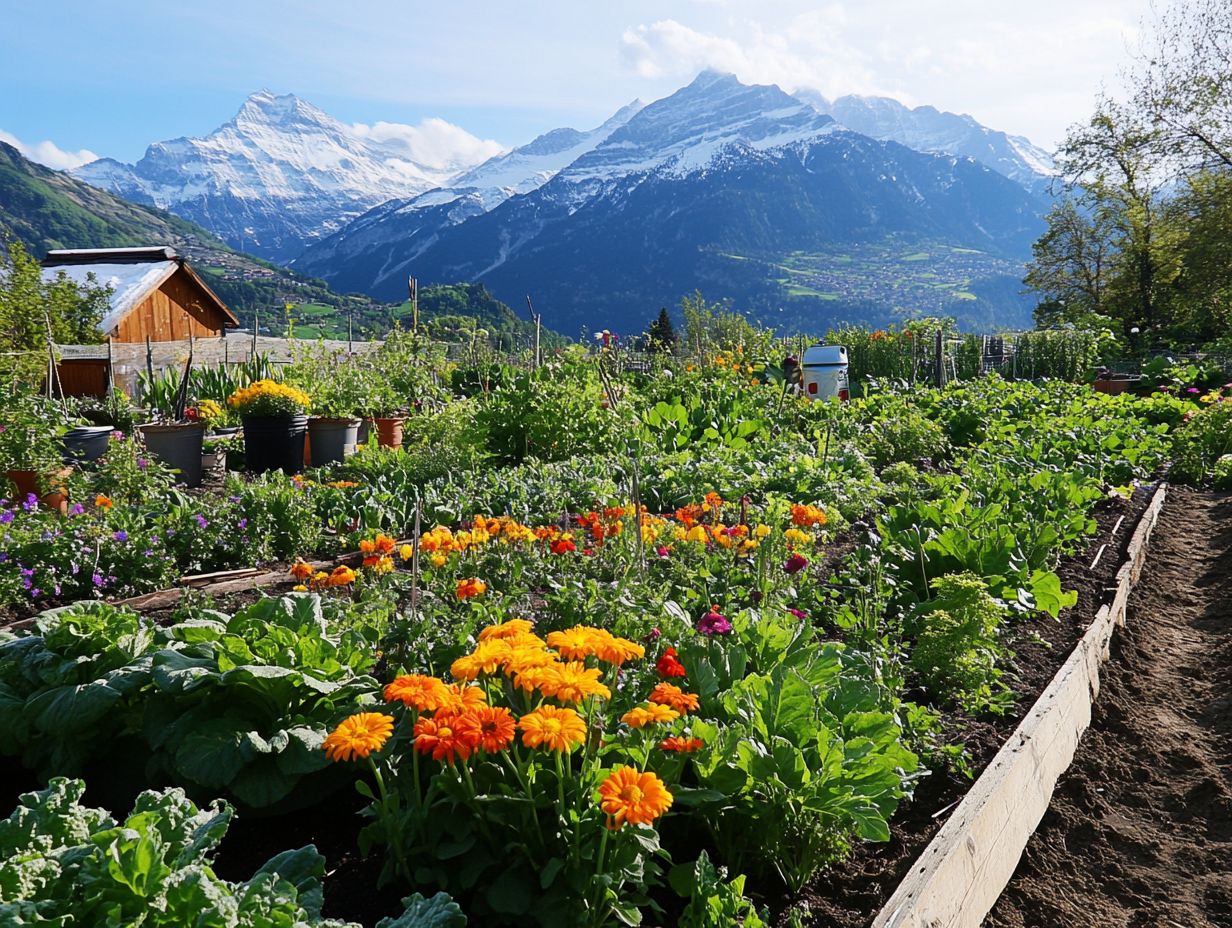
(46, 209)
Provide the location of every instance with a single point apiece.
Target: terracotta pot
(1111, 387)
(389, 432)
(26, 482)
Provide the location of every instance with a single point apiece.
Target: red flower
(795, 564)
(563, 546)
(669, 665)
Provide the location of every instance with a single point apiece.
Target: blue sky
(83, 78)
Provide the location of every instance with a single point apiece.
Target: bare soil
(1139, 832)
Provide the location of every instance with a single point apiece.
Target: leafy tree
(1072, 263)
(662, 335)
(33, 308)
(1183, 82)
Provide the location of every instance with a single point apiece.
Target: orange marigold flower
(667, 694)
(552, 728)
(470, 588)
(358, 736)
(341, 576)
(442, 737)
(509, 629)
(653, 714)
(301, 571)
(459, 698)
(367, 545)
(424, 693)
(577, 643)
(628, 795)
(807, 515)
(385, 544)
(572, 682)
(491, 727)
(103, 502)
(681, 745)
(613, 650)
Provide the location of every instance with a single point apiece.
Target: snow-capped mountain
(279, 175)
(411, 225)
(926, 128)
(712, 187)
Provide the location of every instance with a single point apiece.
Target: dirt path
(1139, 833)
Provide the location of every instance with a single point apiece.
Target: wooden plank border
(963, 871)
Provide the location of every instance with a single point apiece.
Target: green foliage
(63, 864)
(551, 414)
(238, 703)
(1201, 443)
(714, 903)
(957, 645)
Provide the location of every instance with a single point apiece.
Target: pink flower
(795, 564)
(714, 624)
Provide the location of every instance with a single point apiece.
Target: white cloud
(49, 153)
(434, 143)
(808, 53)
(1029, 69)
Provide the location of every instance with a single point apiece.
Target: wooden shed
(154, 293)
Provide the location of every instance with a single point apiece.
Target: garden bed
(846, 895)
(1139, 831)
(853, 892)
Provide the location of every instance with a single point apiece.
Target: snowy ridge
(279, 174)
(925, 128)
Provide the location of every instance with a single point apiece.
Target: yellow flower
(299, 588)
(358, 736)
(797, 536)
(510, 629)
(761, 531)
(697, 533)
(628, 795)
(577, 643)
(552, 728)
(406, 552)
(439, 560)
(572, 682)
(652, 714)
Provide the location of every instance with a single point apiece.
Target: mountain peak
(267, 108)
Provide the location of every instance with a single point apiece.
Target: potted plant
(275, 418)
(333, 432)
(31, 449)
(176, 434)
(214, 451)
(383, 408)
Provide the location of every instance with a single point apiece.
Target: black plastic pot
(86, 442)
(274, 443)
(178, 445)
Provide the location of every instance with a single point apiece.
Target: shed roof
(131, 273)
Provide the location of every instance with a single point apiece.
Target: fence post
(939, 361)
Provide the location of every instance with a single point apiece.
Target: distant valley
(799, 210)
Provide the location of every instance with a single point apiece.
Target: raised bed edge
(962, 872)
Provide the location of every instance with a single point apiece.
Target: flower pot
(213, 460)
(389, 431)
(86, 442)
(274, 443)
(365, 428)
(178, 445)
(332, 439)
(26, 482)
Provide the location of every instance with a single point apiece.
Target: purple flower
(233, 499)
(36, 593)
(31, 503)
(97, 580)
(713, 624)
(6, 516)
(76, 509)
(662, 551)
(142, 463)
(242, 523)
(117, 435)
(121, 535)
(147, 553)
(202, 520)
(795, 564)
(1193, 390)
(798, 613)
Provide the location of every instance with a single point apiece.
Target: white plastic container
(824, 370)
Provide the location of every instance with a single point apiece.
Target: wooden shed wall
(82, 377)
(174, 311)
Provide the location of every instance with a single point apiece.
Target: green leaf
(438, 912)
